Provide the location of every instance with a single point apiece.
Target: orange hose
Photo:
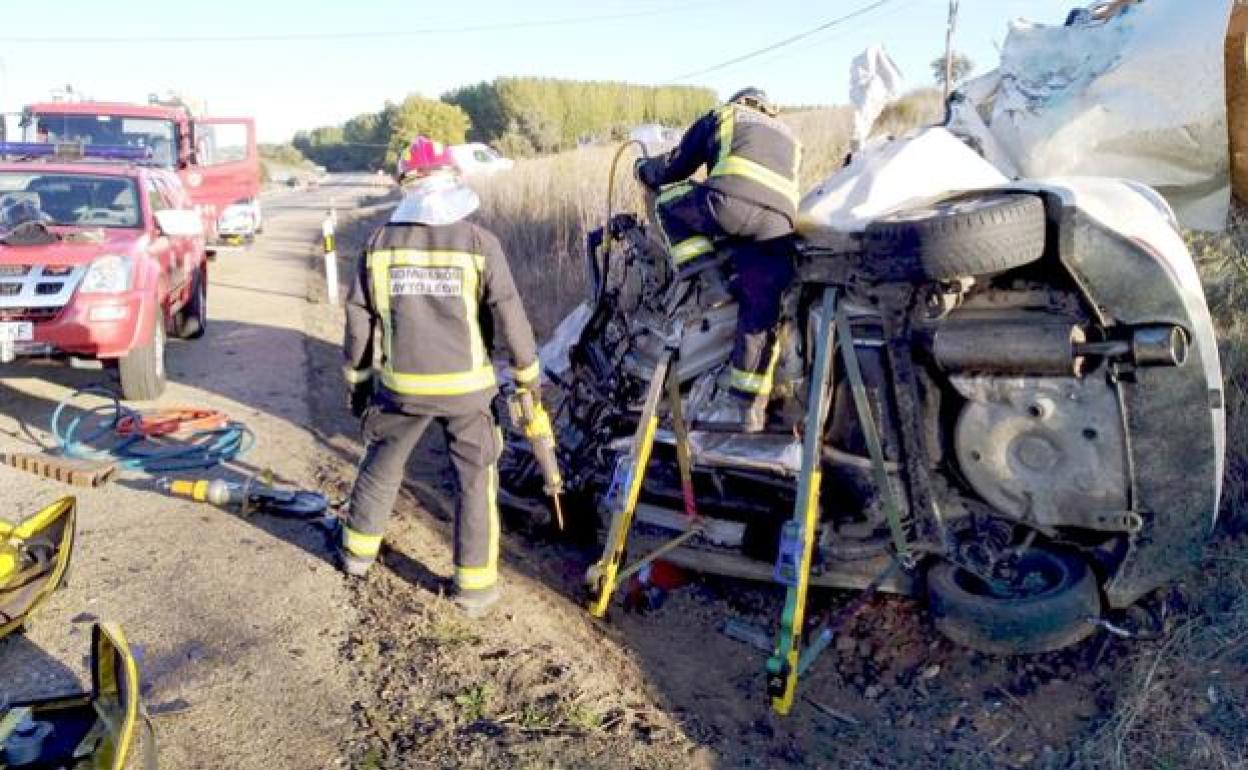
(174, 421)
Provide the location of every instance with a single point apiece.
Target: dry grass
(922, 107)
(541, 211)
(543, 208)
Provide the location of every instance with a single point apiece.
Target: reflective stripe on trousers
(691, 248)
(473, 446)
(360, 544)
(476, 578)
(757, 383)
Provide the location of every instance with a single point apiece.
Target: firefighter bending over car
(749, 198)
(425, 280)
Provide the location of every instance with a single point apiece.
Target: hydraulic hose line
(615, 162)
(141, 438)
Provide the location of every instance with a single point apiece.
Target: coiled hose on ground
(151, 451)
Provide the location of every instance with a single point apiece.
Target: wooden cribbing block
(80, 473)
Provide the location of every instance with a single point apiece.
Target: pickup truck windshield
(87, 200)
(159, 135)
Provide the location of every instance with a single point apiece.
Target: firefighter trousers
(693, 217)
(473, 445)
(764, 272)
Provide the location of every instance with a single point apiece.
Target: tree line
(520, 116)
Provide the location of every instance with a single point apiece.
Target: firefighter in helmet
(749, 198)
(426, 280)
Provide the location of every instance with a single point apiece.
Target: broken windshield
(116, 130)
(68, 199)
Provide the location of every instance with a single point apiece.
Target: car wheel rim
(1039, 574)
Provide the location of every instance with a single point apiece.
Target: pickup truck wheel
(192, 320)
(965, 236)
(1055, 595)
(143, 370)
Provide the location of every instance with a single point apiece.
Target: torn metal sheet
(889, 175)
(554, 353)
(1139, 94)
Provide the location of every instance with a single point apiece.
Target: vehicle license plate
(17, 331)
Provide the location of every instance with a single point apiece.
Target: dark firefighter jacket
(438, 294)
(748, 154)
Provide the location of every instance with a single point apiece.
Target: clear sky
(302, 83)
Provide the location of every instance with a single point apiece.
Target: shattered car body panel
(1136, 271)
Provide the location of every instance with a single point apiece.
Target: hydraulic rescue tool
(531, 418)
(34, 559)
(250, 497)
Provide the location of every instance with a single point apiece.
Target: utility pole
(953, 23)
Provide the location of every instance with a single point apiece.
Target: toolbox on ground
(96, 730)
(34, 559)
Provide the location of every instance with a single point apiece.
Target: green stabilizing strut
(797, 541)
(892, 511)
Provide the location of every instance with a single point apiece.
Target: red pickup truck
(99, 260)
(215, 157)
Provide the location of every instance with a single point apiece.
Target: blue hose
(202, 449)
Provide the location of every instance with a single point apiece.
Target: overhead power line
(359, 35)
(783, 43)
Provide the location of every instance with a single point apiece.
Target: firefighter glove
(639, 172)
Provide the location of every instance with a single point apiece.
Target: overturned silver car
(1024, 401)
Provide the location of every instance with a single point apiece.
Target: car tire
(971, 235)
(968, 611)
(192, 320)
(142, 371)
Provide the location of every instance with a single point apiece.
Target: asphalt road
(238, 621)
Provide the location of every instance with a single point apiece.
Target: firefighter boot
(747, 414)
(476, 603)
(352, 564)
(355, 566)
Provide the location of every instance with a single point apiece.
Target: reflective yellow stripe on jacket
(355, 376)
(481, 376)
(528, 374)
(735, 165)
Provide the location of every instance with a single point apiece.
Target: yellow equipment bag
(34, 557)
(96, 730)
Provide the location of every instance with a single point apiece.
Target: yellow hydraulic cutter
(531, 419)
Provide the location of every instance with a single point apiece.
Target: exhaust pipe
(1050, 349)
(1014, 347)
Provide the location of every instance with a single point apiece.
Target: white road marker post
(331, 256)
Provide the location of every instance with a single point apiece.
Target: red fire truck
(215, 157)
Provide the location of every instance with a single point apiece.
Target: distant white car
(240, 222)
(656, 137)
(478, 159)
